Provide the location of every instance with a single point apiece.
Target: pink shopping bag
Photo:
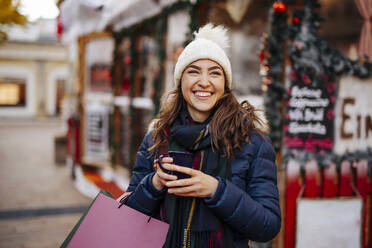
(106, 225)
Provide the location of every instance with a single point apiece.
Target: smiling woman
(230, 195)
(35, 9)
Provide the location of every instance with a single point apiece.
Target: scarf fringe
(207, 239)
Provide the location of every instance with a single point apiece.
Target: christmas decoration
(59, 27)
(279, 7)
(296, 20)
(310, 56)
(272, 69)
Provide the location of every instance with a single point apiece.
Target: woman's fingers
(167, 160)
(165, 176)
(192, 189)
(181, 183)
(185, 170)
(199, 185)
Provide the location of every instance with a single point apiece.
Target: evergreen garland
(160, 24)
(274, 59)
(311, 54)
(161, 27)
(194, 21)
(132, 113)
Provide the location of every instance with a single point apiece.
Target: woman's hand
(160, 178)
(198, 185)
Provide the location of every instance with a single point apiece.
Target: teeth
(198, 93)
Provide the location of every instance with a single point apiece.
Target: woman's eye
(192, 71)
(216, 73)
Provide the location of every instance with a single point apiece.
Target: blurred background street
(39, 202)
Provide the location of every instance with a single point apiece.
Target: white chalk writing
(306, 92)
(317, 128)
(312, 103)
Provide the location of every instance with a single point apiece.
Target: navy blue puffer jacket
(249, 203)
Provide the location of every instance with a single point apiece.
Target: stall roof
(81, 17)
(122, 14)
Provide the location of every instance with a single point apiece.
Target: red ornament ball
(127, 60)
(279, 7)
(296, 20)
(262, 55)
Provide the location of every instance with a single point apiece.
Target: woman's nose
(204, 80)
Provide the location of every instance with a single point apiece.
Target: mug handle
(162, 168)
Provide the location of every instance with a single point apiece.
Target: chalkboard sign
(96, 132)
(309, 117)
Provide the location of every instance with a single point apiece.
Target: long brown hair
(230, 126)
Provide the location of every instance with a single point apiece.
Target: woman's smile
(202, 94)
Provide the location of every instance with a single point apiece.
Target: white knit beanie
(210, 43)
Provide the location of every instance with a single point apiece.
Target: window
(12, 92)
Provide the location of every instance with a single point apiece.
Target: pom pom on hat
(210, 43)
(217, 34)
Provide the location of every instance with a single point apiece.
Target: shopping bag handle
(125, 199)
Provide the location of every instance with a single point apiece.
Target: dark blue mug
(184, 159)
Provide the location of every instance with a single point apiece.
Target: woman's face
(202, 83)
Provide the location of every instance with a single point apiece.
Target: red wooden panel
(96, 178)
(293, 188)
(77, 144)
(369, 214)
(110, 187)
(345, 179)
(330, 182)
(363, 187)
(313, 187)
(69, 138)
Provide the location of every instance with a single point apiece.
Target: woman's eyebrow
(214, 68)
(195, 67)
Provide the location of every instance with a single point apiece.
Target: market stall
(317, 102)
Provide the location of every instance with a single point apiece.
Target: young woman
(231, 194)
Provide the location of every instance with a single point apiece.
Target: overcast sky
(35, 9)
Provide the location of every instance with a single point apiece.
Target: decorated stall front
(319, 108)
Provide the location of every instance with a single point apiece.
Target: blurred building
(33, 71)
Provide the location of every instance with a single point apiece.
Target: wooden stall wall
(342, 180)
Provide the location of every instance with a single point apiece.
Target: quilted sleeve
(253, 212)
(145, 197)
